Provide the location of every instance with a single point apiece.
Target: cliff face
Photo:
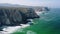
(16, 16)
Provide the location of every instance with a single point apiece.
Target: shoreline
(12, 29)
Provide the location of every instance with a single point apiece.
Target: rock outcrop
(14, 16)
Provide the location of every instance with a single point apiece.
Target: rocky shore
(14, 15)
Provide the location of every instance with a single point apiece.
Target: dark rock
(16, 16)
(47, 9)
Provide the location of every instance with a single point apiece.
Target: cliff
(13, 15)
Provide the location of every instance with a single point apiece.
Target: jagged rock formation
(13, 16)
(16, 16)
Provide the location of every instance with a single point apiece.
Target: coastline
(12, 29)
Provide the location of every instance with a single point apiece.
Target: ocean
(48, 23)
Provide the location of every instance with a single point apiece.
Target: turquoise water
(48, 23)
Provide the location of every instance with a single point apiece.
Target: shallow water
(49, 23)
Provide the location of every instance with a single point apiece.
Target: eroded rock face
(16, 16)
